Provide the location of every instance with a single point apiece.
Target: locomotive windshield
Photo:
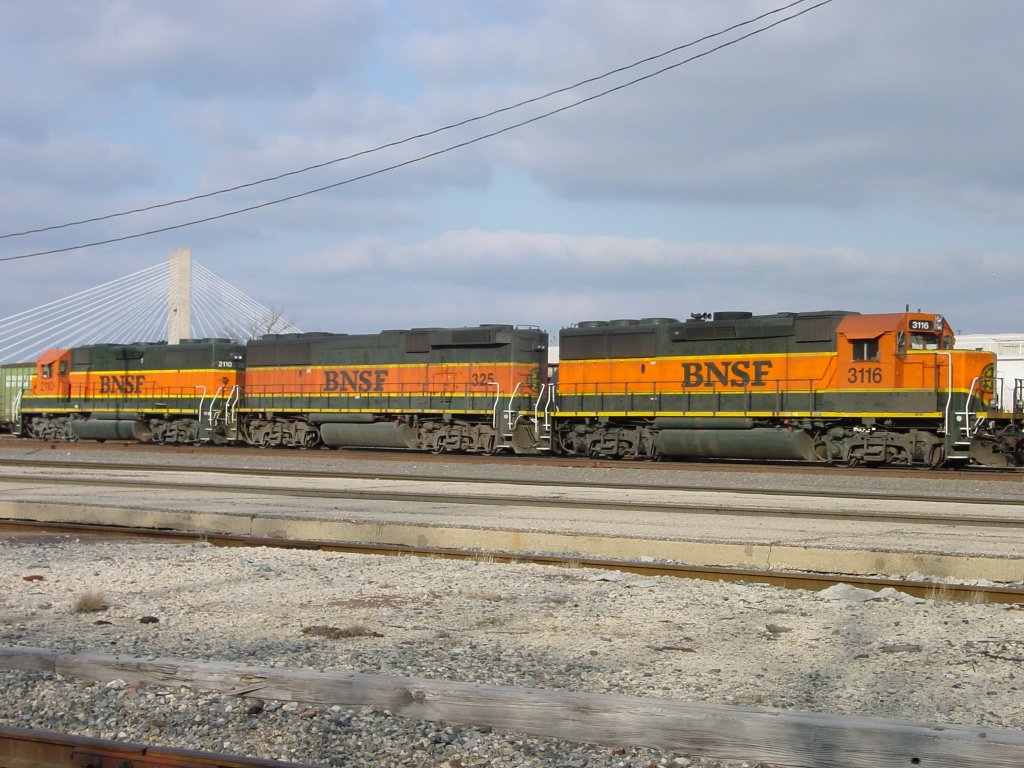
(930, 341)
(924, 341)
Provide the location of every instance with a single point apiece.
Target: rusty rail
(963, 593)
(24, 748)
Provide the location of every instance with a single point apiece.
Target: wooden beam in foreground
(710, 730)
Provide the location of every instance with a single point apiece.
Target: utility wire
(426, 156)
(406, 140)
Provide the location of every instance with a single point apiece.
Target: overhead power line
(399, 142)
(428, 155)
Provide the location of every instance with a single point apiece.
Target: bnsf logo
(355, 381)
(121, 385)
(730, 373)
(987, 379)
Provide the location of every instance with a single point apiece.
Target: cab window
(63, 368)
(924, 341)
(47, 371)
(865, 349)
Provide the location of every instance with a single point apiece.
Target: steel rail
(678, 464)
(26, 748)
(967, 593)
(696, 508)
(529, 482)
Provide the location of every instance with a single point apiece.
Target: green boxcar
(14, 378)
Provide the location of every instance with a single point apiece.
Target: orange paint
(896, 352)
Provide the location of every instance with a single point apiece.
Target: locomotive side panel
(732, 366)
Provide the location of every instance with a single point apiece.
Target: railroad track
(961, 511)
(967, 593)
(449, 478)
(723, 466)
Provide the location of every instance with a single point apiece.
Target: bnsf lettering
(121, 385)
(729, 373)
(355, 381)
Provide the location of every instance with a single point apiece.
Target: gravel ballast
(517, 625)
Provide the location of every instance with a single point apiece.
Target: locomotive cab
(904, 370)
(52, 375)
(912, 353)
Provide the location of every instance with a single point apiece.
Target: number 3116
(864, 376)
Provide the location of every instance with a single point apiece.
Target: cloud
(75, 164)
(227, 48)
(474, 254)
(551, 280)
(863, 157)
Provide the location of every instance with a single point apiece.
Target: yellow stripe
(190, 396)
(110, 410)
(758, 414)
(374, 366)
(692, 391)
(697, 358)
(134, 371)
(483, 412)
(490, 394)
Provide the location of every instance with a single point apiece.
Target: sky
(864, 156)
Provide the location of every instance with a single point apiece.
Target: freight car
(14, 378)
(835, 387)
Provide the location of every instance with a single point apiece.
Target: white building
(1009, 349)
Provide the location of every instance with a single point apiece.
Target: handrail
(202, 399)
(497, 402)
(231, 405)
(213, 401)
(949, 391)
(967, 408)
(536, 405)
(508, 412)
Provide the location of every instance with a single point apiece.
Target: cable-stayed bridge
(168, 301)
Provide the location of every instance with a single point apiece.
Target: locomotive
(829, 387)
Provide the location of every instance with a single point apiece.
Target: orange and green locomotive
(835, 387)
(151, 392)
(471, 390)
